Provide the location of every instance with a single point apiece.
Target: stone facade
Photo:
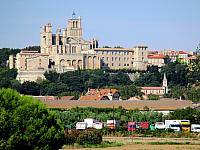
(66, 50)
(123, 58)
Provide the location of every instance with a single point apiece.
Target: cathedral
(66, 50)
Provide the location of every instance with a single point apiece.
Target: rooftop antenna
(73, 15)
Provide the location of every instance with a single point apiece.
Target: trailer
(112, 124)
(131, 126)
(98, 125)
(137, 125)
(160, 125)
(195, 127)
(185, 125)
(144, 125)
(81, 125)
(89, 122)
(173, 124)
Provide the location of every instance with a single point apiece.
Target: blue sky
(159, 24)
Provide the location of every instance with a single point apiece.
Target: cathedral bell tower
(74, 27)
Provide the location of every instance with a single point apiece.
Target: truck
(112, 124)
(81, 125)
(178, 125)
(98, 125)
(89, 122)
(131, 126)
(160, 125)
(137, 125)
(195, 127)
(185, 125)
(173, 124)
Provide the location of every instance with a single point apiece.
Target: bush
(153, 97)
(71, 137)
(89, 136)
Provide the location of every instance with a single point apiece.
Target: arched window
(73, 49)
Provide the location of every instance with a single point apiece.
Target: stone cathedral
(66, 50)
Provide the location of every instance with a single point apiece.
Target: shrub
(89, 136)
(71, 136)
(153, 97)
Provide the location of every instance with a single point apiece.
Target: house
(112, 94)
(156, 60)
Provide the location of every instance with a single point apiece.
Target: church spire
(73, 15)
(165, 83)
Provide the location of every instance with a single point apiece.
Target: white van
(173, 124)
(160, 125)
(195, 127)
(81, 125)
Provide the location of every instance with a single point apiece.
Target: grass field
(143, 143)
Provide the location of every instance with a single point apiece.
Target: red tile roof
(93, 97)
(182, 52)
(156, 56)
(103, 92)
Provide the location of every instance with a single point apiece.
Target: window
(115, 58)
(107, 58)
(119, 64)
(112, 64)
(112, 58)
(119, 58)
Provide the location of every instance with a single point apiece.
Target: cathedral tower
(74, 27)
(46, 38)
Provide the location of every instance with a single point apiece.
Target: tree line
(183, 80)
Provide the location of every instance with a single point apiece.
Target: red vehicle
(144, 125)
(136, 125)
(131, 126)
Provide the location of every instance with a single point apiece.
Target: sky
(158, 24)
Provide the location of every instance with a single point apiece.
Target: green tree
(187, 114)
(129, 91)
(25, 123)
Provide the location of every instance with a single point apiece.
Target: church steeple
(165, 83)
